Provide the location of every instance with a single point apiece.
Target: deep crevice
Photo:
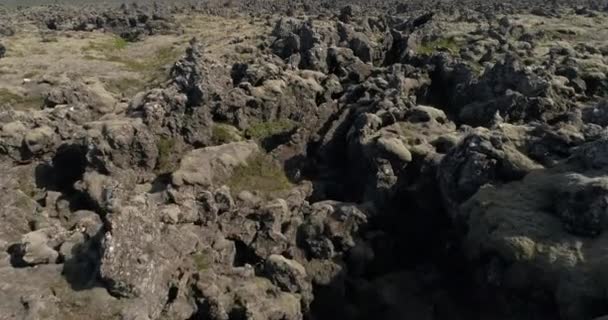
(172, 295)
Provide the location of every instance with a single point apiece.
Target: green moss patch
(20, 102)
(162, 57)
(152, 62)
(202, 261)
(112, 44)
(7, 96)
(261, 174)
(477, 67)
(126, 86)
(224, 133)
(150, 68)
(49, 39)
(441, 44)
(262, 130)
(166, 149)
(28, 187)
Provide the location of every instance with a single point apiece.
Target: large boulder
(480, 158)
(210, 166)
(240, 292)
(141, 255)
(124, 148)
(89, 98)
(541, 232)
(289, 275)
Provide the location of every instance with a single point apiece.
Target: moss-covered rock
(263, 130)
(261, 174)
(166, 148)
(224, 133)
(441, 44)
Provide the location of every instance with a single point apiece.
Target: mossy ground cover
(166, 148)
(127, 86)
(261, 174)
(223, 133)
(441, 44)
(149, 66)
(7, 96)
(107, 45)
(202, 260)
(112, 50)
(19, 102)
(263, 130)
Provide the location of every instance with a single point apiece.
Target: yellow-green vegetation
(7, 71)
(201, 260)
(166, 146)
(126, 86)
(149, 64)
(20, 102)
(30, 102)
(223, 133)
(441, 44)
(27, 187)
(7, 96)
(150, 67)
(592, 65)
(153, 62)
(262, 130)
(261, 174)
(477, 67)
(48, 39)
(112, 44)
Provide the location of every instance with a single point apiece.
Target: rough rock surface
(352, 161)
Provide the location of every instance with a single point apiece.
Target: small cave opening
(439, 94)
(67, 166)
(62, 172)
(327, 165)
(451, 86)
(274, 141)
(81, 270)
(16, 253)
(244, 255)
